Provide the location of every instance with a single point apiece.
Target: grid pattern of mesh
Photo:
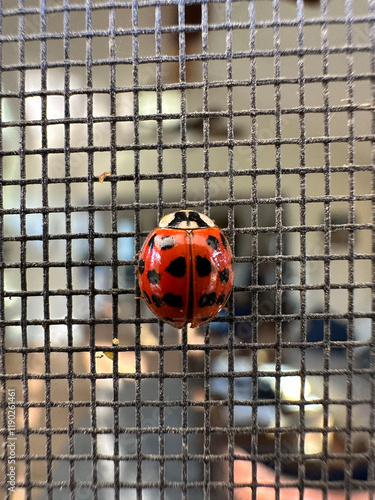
(258, 113)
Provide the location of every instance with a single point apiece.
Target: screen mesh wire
(96, 481)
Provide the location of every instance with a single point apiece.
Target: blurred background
(258, 113)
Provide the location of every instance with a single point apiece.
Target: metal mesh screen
(258, 113)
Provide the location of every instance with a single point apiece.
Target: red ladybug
(185, 269)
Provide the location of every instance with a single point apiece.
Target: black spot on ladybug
(141, 266)
(153, 277)
(173, 300)
(203, 266)
(151, 243)
(213, 242)
(177, 267)
(220, 299)
(224, 275)
(188, 218)
(145, 295)
(195, 217)
(208, 299)
(177, 219)
(156, 300)
(167, 242)
(224, 240)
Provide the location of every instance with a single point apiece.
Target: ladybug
(185, 269)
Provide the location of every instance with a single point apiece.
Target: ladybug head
(186, 219)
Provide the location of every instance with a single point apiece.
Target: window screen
(257, 113)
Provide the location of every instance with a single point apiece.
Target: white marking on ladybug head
(186, 219)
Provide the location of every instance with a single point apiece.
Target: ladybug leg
(225, 307)
(136, 265)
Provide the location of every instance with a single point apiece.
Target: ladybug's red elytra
(185, 269)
